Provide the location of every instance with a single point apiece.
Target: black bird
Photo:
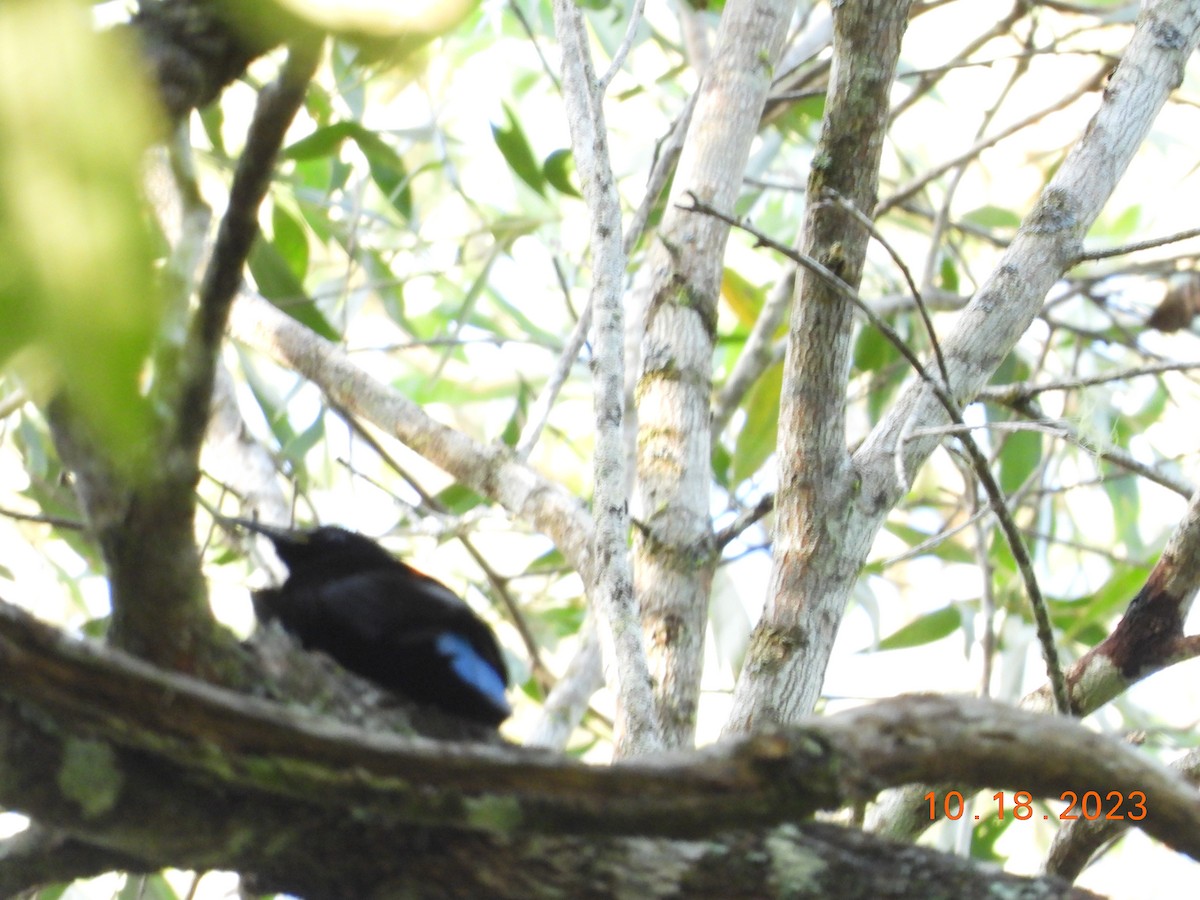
(348, 597)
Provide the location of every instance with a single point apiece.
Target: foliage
(78, 272)
(430, 222)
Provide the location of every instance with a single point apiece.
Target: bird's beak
(277, 534)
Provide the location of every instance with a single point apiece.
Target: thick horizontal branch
(68, 706)
(491, 470)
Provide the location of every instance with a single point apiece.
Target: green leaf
(1075, 617)
(1125, 496)
(274, 277)
(802, 116)
(1151, 410)
(722, 464)
(290, 240)
(1120, 228)
(745, 300)
(756, 440)
(549, 562)
(873, 351)
(924, 630)
(949, 549)
(558, 170)
(147, 887)
(1012, 368)
(274, 408)
(212, 118)
(459, 499)
(78, 293)
(993, 217)
(985, 835)
(420, 389)
(387, 168)
(1021, 456)
(512, 428)
(322, 142)
(553, 623)
(297, 448)
(387, 171)
(949, 274)
(279, 284)
(518, 153)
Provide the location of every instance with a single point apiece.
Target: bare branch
(978, 460)
(907, 191)
(675, 553)
(869, 225)
(569, 698)
(490, 470)
(140, 725)
(618, 59)
(1109, 453)
(745, 520)
(277, 107)
(1138, 246)
(1012, 394)
(1079, 840)
(1047, 243)
(612, 588)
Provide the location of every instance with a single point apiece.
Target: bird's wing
(472, 668)
(454, 612)
(403, 606)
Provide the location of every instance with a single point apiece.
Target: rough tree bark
(818, 555)
(675, 550)
(814, 569)
(140, 768)
(127, 765)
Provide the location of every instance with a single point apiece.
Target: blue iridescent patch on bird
(472, 668)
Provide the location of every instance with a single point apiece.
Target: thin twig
(1012, 534)
(1114, 455)
(618, 59)
(1021, 391)
(908, 190)
(276, 109)
(858, 216)
(43, 519)
(1137, 246)
(612, 585)
(539, 411)
(942, 218)
(927, 80)
(515, 8)
(744, 520)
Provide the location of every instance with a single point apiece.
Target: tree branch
(675, 554)
(612, 590)
(813, 570)
(321, 789)
(492, 471)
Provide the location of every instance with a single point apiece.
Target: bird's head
(329, 548)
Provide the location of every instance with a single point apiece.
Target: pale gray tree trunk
(831, 504)
(675, 550)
